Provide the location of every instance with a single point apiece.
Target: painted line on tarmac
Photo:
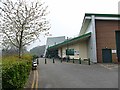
(105, 66)
(110, 68)
(33, 80)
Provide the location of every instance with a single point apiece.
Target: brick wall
(105, 37)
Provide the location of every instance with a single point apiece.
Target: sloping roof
(87, 19)
(52, 41)
(71, 40)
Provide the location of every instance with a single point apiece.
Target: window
(69, 51)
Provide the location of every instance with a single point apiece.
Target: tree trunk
(19, 52)
(20, 45)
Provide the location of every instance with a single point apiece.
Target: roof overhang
(88, 17)
(71, 41)
(103, 16)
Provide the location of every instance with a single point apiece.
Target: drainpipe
(94, 57)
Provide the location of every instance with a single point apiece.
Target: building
(99, 40)
(53, 41)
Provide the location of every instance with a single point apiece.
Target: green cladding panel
(118, 40)
(118, 44)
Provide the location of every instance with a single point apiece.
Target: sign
(76, 52)
(113, 51)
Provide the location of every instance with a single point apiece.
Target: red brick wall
(105, 37)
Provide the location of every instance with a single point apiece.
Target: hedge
(15, 71)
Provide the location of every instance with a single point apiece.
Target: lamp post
(67, 50)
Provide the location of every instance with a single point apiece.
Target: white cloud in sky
(66, 16)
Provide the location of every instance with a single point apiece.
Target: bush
(35, 56)
(15, 71)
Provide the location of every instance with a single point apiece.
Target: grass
(12, 59)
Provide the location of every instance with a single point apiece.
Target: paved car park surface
(70, 75)
(73, 75)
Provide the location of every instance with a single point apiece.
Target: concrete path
(69, 75)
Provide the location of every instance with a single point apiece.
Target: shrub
(15, 71)
(35, 56)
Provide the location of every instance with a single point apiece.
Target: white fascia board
(88, 17)
(103, 18)
(107, 18)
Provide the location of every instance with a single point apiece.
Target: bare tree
(22, 22)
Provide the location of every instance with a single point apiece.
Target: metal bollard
(88, 61)
(53, 60)
(79, 60)
(73, 60)
(37, 61)
(67, 59)
(45, 61)
(61, 60)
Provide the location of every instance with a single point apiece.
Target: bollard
(73, 60)
(53, 60)
(88, 61)
(79, 60)
(45, 61)
(37, 61)
(61, 60)
(67, 59)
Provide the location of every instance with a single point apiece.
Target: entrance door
(118, 44)
(107, 55)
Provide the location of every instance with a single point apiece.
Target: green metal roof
(103, 15)
(71, 40)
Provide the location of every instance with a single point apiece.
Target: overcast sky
(66, 16)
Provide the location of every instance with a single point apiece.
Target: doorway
(106, 55)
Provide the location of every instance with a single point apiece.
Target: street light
(67, 50)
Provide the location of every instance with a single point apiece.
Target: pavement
(72, 75)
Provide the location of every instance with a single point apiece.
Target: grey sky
(66, 16)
